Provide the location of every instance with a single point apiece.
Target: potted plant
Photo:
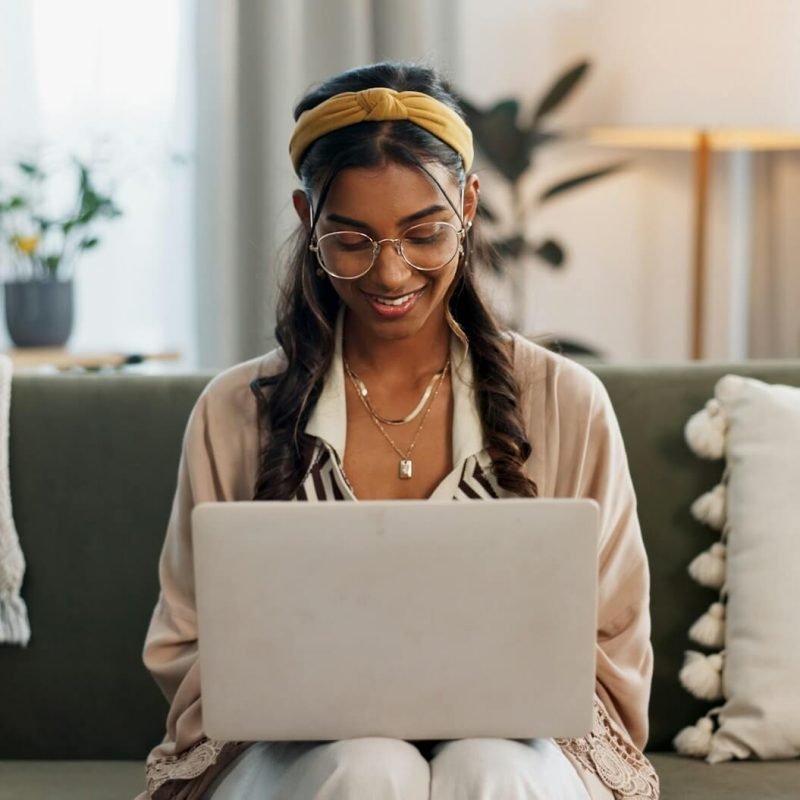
(510, 143)
(42, 249)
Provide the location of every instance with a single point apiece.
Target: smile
(395, 306)
(395, 301)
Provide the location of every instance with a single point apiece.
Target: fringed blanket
(14, 625)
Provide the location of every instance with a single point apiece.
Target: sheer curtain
(775, 279)
(112, 83)
(254, 61)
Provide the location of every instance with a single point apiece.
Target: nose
(394, 242)
(390, 269)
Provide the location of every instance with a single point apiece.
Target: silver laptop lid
(414, 620)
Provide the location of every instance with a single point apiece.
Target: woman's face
(384, 202)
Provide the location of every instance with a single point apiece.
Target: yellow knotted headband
(379, 105)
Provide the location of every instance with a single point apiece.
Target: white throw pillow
(756, 426)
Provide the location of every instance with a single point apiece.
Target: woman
(393, 381)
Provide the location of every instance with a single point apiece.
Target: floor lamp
(703, 144)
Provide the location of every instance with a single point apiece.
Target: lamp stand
(702, 164)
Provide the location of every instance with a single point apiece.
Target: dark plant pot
(39, 313)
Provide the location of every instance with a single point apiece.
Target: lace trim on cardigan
(184, 766)
(610, 756)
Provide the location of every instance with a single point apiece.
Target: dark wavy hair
(308, 306)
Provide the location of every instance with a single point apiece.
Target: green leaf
(88, 244)
(561, 89)
(500, 252)
(537, 138)
(30, 169)
(499, 137)
(12, 204)
(51, 264)
(579, 180)
(549, 251)
(510, 247)
(109, 209)
(83, 176)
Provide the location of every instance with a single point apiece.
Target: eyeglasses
(426, 247)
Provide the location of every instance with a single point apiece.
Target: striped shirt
(326, 480)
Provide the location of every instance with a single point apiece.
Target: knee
(379, 767)
(483, 768)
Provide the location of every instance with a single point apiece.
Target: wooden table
(61, 358)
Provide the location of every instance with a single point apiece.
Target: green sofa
(93, 464)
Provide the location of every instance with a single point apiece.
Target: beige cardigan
(577, 452)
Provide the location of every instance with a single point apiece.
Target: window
(112, 82)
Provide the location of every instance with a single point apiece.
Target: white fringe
(710, 508)
(695, 740)
(708, 569)
(14, 625)
(702, 675)
(705, 431)
(709, 630)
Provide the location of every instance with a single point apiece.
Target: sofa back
(93, 463)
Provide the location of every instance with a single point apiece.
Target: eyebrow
(417, 215)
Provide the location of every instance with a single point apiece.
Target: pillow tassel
(705, 431)
(709, 630)
(701, 675)
(709, 508)
(708, 569)
(695, 740)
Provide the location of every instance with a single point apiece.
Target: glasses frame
(377, 244)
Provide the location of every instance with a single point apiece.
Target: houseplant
(42, 245)
(510, 141)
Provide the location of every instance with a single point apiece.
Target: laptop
(406, 619)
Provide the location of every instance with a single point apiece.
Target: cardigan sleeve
(587, 458)
(170, 651)
(218, 463)
(625, 656)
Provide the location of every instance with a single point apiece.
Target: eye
(427, 233)
(350, 240)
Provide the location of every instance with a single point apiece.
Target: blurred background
(143, 160)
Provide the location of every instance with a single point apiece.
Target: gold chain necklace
(363, 393)
(405, 468)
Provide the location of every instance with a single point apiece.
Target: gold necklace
(363, 392)
(405, 469)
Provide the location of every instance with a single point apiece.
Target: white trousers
(375, 768)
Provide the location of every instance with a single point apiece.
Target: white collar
(328, 420)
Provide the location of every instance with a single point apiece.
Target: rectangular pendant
(405, 468)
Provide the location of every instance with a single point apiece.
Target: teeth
(395, 301)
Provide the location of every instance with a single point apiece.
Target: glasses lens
(346, 254)
(430, 245)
